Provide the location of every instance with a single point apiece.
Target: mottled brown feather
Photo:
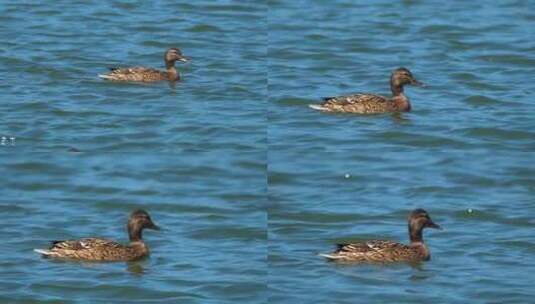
(143, 74)
(359, 103)
(97, 249)
(140, 74)
(363, 103)
(380, 251)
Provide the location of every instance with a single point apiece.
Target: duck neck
(135, 233)
(397, 89)
(416, 235)
(171, 70)
(401, 102)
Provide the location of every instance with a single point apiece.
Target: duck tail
(329, 256)
(318, 107)
(43, 251)
(104, 76)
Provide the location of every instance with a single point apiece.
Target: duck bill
(183, 59)
(153, 226)
(415, 82)
(433, 225)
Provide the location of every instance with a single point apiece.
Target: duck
(382, 251)
(364, 103)
(142, 74)
(103, 250)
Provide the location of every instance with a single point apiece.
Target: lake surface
(193, 155)
(51, 55)
(211, 208)
(248, 182)
(467, 144)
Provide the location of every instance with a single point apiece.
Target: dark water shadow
(136, 268)
(398, 118)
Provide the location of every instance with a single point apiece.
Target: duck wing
(358, 103)
(84, 244)
(370, 251)
(369, 246)
(134, 74)
(90, 249)
(354, 99)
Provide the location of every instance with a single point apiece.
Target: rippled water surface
(52, 99)
(240, 228)
(467, 144)
(211, 249)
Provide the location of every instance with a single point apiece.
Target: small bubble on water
(347, 175)
(470, 210)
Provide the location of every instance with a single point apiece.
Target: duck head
(418, 220)
(401, 77)
(174, 54)
(139, 220)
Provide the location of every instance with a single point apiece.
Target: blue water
(52, 53)
(192, 155)
(211, 248)
(248, 182)
(468, 145)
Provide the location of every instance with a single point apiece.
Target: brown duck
(95, 249)
(148, 74)
(379, 251)
(363, 103)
